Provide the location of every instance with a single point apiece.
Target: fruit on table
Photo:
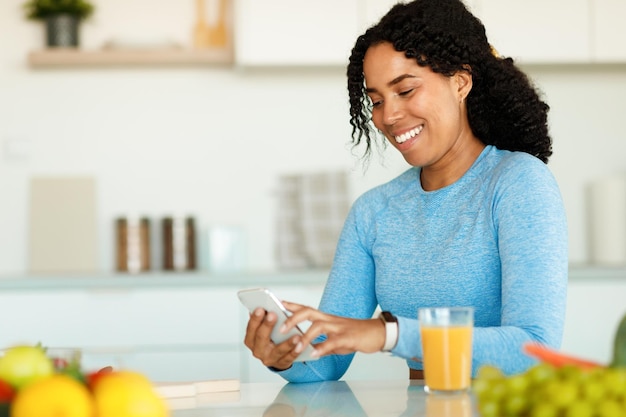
(53, 396)
(560, 385)
(549, 391)
(619, 345)
(22, 365)
(92, 377)
(6, 392)
(556, 358)
(31, 386)
(6, 396)
(127, 394)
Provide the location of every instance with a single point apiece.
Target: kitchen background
(212, 140)
(219, 140)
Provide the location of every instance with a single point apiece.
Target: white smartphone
(254, 298)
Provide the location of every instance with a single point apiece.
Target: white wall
(212, 141)
(586, 121)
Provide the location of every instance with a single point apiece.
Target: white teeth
(410, 134)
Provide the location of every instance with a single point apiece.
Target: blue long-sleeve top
(496, 240)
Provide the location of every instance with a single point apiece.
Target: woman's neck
(452, 166)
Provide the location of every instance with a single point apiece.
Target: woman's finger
(255, 320)
(299, 314)
(263, 333)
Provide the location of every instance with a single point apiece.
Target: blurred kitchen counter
(306, 277)
(161, 279)
(178, 326)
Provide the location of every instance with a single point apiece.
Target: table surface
(333, 398)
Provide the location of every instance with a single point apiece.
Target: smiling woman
(398, 89)
(476, 221)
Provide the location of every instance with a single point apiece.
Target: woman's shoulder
(395, 186)
(512, 164)
(519, 170)
(378, 196)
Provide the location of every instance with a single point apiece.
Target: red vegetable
(556, 358)
(7, 392)
(92, 377)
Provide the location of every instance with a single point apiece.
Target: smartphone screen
(262, 297)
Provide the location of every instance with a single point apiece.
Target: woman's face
(419, 111)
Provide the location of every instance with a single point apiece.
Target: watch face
(388, 317)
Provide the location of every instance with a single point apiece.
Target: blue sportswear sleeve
(495, 240)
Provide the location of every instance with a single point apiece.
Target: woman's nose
(391, 112)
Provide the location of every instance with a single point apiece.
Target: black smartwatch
(391, 330)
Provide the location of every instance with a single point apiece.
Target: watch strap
(391, 330)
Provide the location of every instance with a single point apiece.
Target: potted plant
(62, 18)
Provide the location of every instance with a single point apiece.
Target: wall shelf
(129, 57)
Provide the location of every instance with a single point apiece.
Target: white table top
(333, 398)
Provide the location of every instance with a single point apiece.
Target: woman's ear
(464, 82)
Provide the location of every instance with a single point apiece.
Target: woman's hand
(344, 335)
(258, 340)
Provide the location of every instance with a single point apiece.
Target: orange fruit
(55, 396)
(127, 394)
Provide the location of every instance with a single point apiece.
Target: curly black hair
(504, 108)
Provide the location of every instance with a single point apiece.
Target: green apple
(21, 365)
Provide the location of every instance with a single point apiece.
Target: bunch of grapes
(547, 391)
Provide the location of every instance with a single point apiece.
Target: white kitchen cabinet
(294, 32)
(302, 33)
(370, 12)
(538, 31)
(168, 333)
(168, 364)
(121, 318)
(594, 311)
(299, 33)
(609, 31)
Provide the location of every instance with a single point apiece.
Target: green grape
(489, 372)
(481, 388)
(570, 373)
(610, 408)
(517, 384)
(544, 410)
(615, 382)
(579, 375)
(579, 408)
(561, 393)
(541, 373)
(546, 391)
(515, 405)
(489, 409)
(498, 390)
(593, 390)
(536, 396)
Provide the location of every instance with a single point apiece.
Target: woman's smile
(409, 135)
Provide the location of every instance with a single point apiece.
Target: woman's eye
(373, 102)
(406, 92)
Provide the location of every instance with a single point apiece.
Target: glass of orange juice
(454, 405)
(447, 348)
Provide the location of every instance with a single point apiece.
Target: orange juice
(459, 405)
(447, 357)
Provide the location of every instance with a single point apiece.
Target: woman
(478, 219)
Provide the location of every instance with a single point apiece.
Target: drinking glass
(447, 348)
